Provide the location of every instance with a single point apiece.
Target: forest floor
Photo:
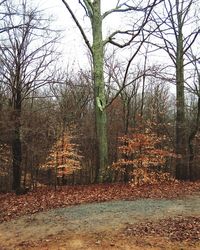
(101, 217)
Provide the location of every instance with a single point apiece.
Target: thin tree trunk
(143, 84)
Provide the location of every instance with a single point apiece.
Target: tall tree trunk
(99, 92)
(16, 145)
(126, 110)
(181, 142)
(190, 143)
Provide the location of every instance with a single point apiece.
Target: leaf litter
(176, 227)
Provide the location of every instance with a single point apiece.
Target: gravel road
(95, 217)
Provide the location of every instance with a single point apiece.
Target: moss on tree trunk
(99, 92)
(181, 141)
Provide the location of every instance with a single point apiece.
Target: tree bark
(99, 93)
(190, 143)
(181, 142)
(16, 145)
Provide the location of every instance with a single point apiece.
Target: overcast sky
(73, 46)
(71, 43)
(74, 50)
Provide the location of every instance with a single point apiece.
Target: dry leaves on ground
(175, 229)
(42, 199)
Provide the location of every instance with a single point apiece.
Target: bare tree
(27, 57)
(93, 12)
(194, 88)
(177, 40)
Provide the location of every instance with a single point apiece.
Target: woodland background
(48, 113)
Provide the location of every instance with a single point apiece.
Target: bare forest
(127, 120)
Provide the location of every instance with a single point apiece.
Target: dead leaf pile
(42, 199)
(175, 229)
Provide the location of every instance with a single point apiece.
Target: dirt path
(92, 226)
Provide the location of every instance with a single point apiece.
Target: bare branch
(88, 7)
(133, 33)
(124, 85)
(127, 32)
(23, 66)
(124, 7)
(78, 25)
(189, 45)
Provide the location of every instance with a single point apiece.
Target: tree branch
(127, 32)
(192, 41)
(89, 7)
(78, 25)
(124, 7)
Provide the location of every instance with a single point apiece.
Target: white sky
(71, 37)
(74, 50)
(73, 46)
